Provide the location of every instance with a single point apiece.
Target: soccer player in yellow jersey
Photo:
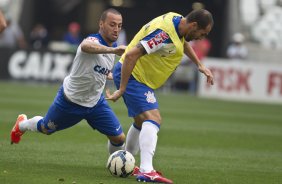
(150, 58)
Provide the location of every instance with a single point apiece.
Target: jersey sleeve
(155, 41)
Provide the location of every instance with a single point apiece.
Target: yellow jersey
(164, 51)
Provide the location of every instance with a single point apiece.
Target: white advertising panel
(244, 81)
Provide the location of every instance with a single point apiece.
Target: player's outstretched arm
(90, 46)
(188, 50)
(128, 65)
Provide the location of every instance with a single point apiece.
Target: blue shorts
(138, 97)
(63, 114)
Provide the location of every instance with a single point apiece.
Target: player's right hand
(113, 97)
(120, 50)
(208, 74)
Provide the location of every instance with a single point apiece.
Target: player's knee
(156, 117)
(149, 115)
(120, 139)
(159, 119)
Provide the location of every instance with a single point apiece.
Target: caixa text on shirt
(49, 66)
(101, 70)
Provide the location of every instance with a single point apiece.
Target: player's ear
(194, 25)
(100, 23)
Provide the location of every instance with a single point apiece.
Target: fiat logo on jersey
(101, 70)
(159, 38)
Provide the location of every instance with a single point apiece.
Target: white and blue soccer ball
(121, 163)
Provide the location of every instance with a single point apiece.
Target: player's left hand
(110, 76)
(115, 96)
(208, 74)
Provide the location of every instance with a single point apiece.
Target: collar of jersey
(176, 21)
(101, 40)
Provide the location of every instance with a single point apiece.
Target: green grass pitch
(201, 142)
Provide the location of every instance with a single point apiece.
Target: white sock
(112, 148)
(30, 124)
(148, 141)
(132, 140)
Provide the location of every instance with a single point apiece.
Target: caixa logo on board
(39, 65)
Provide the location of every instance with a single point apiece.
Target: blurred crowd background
(247, 31)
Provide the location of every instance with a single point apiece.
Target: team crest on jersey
(150, 97)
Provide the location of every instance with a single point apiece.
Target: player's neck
(109, 43)
(182, 27)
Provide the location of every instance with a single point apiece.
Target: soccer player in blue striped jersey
(80, 96)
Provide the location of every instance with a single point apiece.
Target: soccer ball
(121, 163)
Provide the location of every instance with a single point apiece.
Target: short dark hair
(110, 10)
(202, 17)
